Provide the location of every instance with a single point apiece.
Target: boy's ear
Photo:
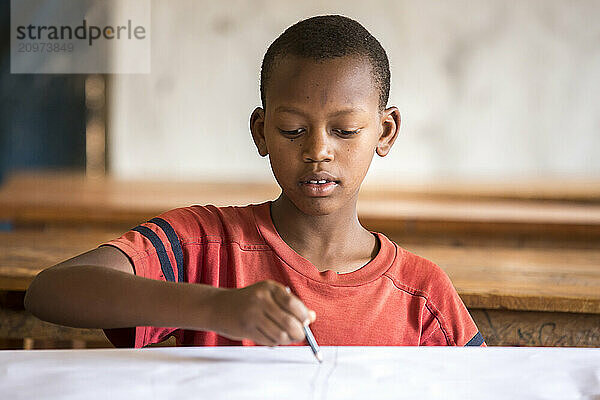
(390, 122)
(257, 128)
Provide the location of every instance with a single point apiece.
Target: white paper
(292, 372)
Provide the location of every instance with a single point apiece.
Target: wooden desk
(526, 297)
(517, 296)
(22, 255)
(521, 279)
(291, 372)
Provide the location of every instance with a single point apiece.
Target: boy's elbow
(32, 295)
(27, 302)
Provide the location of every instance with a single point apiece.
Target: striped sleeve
(155, 251)
(476, 340)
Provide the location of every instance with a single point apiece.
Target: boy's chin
(317, 206)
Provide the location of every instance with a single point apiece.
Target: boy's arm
(98, 289)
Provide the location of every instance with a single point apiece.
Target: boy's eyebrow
(333, 114)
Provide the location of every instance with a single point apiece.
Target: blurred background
(488, 90)
(495, 175)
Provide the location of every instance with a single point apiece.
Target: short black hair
(325, 37)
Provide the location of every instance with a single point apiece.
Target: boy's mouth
(318, 178)
(318, 188)
(315, 182)
(318, 184)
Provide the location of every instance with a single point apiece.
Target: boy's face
(322, 118)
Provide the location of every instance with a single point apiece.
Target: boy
(217, 275)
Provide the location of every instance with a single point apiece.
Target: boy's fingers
(264, 338)
(272, 328)
(311, 314)
(286, 323)
(292, 304)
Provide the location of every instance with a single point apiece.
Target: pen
(313, 343)
(310, 339)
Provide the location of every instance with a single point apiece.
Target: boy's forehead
(337, 82)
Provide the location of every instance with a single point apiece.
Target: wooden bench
(473, 215)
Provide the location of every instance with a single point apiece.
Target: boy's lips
(319, 177)
(318, 184)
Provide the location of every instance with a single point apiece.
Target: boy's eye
(340, 131)
(294, 132)
(347, 133)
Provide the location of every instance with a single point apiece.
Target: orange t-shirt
(398, 298)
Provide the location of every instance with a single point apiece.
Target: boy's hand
(264, 312)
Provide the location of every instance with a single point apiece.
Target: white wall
(487, 89)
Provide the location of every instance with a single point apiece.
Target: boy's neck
(336, 241)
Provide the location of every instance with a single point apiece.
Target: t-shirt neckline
(367, 273)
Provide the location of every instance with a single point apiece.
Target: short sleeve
(155, 251)
(445, 318)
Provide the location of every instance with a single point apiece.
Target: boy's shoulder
(419, 276)
(445, 318)
(212, 221)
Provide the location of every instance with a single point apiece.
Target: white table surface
(291, 372)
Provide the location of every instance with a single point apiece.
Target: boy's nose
(316, 147)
